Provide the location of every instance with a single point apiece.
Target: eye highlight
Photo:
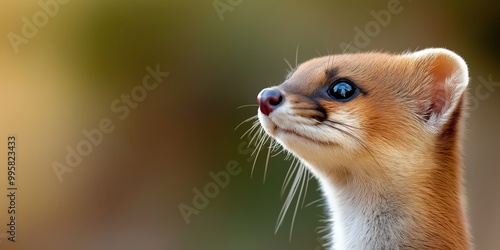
(343, 90)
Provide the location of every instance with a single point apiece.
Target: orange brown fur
(397, 165)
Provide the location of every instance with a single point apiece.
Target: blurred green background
(219, 54)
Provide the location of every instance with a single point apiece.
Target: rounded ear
(448, 82)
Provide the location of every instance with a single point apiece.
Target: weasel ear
(446, 83)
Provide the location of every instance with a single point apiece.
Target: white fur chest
(365, 220)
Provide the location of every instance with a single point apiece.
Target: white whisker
(298, 181)
(288, 177)
(307, 177)
(319, 54)
(258, 148)
(346, 47)
(289, 65)
(302, 183)
(288, 201)
(249, 131)
(314, 202)
(256, 136)
(297, 56)
(247, 105)
(267, 159)
(247, 120)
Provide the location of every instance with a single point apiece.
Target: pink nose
(269, 99)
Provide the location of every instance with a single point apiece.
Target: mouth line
(315, 141)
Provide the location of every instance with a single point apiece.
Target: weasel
(382, 134)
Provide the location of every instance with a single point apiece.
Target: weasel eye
(343, 90)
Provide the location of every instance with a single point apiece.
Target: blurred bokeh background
(63, 64)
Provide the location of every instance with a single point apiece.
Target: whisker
(288, 63)
(314, 202)
(251, 134)
(361, 142)
(297, 178)
(278, 152)
(331, 54)
(246, 120)
(346, 47)
(288, 177)
(343, 124)
(288, 156)
(251, 129)
(258, 142)
(330, 57)
(259, 147)
(257, 135)
(288, 201)
(247, 105)
(307, 177)
(296, 55)
(267, 159)
(298, 199)
(319, 54)
(299, 184)
(277, 147)
(333, 123)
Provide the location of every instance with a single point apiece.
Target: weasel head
(360, 113)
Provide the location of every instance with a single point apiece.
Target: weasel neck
(420, 210)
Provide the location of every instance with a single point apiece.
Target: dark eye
(343, 90)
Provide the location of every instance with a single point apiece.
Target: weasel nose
(268, 100)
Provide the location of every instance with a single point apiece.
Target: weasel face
(381, 133)
(361, 109)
